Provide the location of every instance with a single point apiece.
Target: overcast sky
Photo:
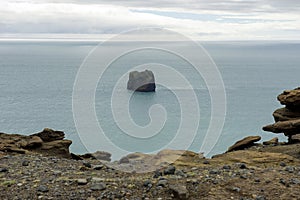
(199, 19)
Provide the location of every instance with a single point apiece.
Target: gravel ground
(38, 177)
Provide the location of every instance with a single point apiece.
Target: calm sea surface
(36, 85)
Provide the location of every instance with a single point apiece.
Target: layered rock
(48, 143)
(244, 143)
(141, 81)
(287, 119)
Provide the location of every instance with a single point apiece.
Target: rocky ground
(244, 174)
(40, 166)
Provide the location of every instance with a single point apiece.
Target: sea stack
(287, 119)
(141, 81)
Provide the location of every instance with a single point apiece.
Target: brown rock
(244, 143)
(98, 155)
(179, 191)
(34, 142)
(294, 139)
(290, 98)
(58, 148)
(252, 157)
(273, 141)
(285, 114)
(49, 135)
(290, 127)
(51, 143)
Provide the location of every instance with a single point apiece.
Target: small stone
(290, 169)
(124, 160)
(25, 163)
(267, 181)
(98, 167)
(282, 181)
(236, 189)
(146, 183)
(227, 167)
(95, 179)
(98, 187)
(170, 170)
(179, 191)
(162, 183)
(256, 180)
(282, 164)
(180, 173)
(157, 174)
(82, 181)
(42, 188)
(205, 162)
(243, 177)
(3, 170)
(260, 198)
(295, 181)
(214, 171)
(87, 164)
(242, 165)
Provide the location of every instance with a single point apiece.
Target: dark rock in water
(244, 143)
(273, 141)
(141, 81)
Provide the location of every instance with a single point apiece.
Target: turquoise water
(36, 84)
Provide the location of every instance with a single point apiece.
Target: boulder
(48, 143)
(244, 143)
(273, 141)
(291, 127)
(290, 98)
(58, 148)
(141, 81)
(285, 114)
(49, 135)
(294, 139)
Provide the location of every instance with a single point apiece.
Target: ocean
(37, 80)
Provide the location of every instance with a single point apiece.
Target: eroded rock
(141, 81)
(244, 143)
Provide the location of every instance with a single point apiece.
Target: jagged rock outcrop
(287, 119)
(141, 81)
(244, 143)
(48, 143)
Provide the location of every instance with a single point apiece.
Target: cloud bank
(199, 19)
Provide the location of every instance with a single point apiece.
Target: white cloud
(204, 20)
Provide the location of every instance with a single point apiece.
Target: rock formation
(141, 81)
(244, 143)
(48, 143)
(287, 120)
